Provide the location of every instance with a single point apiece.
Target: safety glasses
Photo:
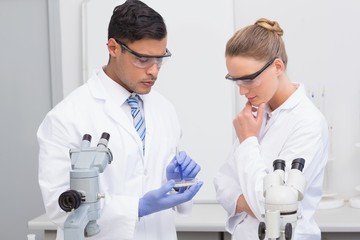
(251, 80)
(145, 61)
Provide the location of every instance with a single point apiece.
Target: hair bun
(270, 25)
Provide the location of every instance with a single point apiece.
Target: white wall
(71, 45)
(321, 38)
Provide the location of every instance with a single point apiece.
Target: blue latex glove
(189, 167)
(159, 199)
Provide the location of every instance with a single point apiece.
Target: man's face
(130, 70)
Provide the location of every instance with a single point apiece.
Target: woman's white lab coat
(296, 129)
(92, 109)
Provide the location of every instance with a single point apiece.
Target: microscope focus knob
(70, 200)
(261, 230)
(288, 231)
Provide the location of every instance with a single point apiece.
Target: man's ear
(113, 47)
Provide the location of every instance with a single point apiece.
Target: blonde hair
(261, 41)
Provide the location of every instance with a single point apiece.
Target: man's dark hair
(134, 20)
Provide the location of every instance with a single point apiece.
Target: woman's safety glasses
(250, 81)
(143, 60)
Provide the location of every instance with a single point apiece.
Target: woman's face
(263, 87)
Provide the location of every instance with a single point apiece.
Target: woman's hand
(248, 124)
(242, 206)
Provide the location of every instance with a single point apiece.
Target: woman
(278, 122)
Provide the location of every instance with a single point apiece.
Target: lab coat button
(145, 172)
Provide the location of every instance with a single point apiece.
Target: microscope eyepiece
(279, 164)
(105, 135)
(104, 139)
(87, 137)
(298, 163)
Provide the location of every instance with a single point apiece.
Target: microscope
(82, 200)
(281, 200)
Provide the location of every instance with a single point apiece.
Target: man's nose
(153, 69)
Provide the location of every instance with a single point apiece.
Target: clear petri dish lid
(186, 182)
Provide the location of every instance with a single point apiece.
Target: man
(137, 184)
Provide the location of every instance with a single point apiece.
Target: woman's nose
(243, 90)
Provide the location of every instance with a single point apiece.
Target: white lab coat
(296, 129)
(97, 107)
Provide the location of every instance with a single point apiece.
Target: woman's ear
(280, 66)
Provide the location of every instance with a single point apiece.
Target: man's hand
(161, 199)
(188, 166)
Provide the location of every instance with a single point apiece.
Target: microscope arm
(76, 222)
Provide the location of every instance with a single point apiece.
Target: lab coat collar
(114, 90)
(103, 87)
(271, 116)
(291, 102)
(295, 98)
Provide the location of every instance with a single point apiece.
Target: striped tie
(139, 122)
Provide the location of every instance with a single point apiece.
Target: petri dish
(186, 182)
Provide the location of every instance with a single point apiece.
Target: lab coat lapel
(113, 110)
(117, 114)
